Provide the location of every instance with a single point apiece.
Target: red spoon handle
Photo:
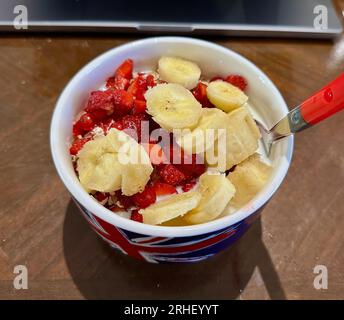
(324, 103)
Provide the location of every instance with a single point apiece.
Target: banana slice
(216, 193)
(225, 96)
(114, 162)
(98, 171)
(206, 133)
(177, 222)
(173, 106)
(174, 206)
(177, 70)
(248, 177)
(240, 141)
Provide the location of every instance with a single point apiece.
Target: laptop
(280, 18)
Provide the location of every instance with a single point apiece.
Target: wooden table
(41, 228)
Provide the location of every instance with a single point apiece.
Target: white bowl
(213, 60)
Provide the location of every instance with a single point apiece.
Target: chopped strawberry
(111, 101)
(139, 106)
(117, 125)
(150, 81)
(192, 165)
(77, 129)
(138, 87)
(87, 121)
(100, 100)
(125, 201)
(132, 124)
(162, 189)
(77, 145)
(99, 115)
(136, 216)
(125, 70)
(117, 82)
(189, 185)
(238, 81)
(171, 175)
(123, 103)
(172, 151)
(200, 93)
(145, 198)
(155, 152)
(85, 124)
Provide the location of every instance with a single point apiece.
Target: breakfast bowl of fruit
(157, 143)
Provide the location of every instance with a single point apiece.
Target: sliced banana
(248, 177)
(225, 96)
(114, 162)
(177, 222)
(240, 141)
(216, 193)
(173, 207)
(98, 171)
(206, 133)
(172, 106)
(177, 70)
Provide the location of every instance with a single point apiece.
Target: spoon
(321, 105)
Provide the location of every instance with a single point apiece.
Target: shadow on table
(100, 272)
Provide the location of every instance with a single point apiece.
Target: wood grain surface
(301, 227)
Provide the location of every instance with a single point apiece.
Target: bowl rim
(97, 209)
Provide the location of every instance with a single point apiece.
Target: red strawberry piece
(123, 102)
(125, 201)
(136, 216)
(77, 145)
(145, 198)
(200, 93)
(192, 165)
(171, 175)
(150, 81)
(99, 115)
(189, 185)
(117, 82)
(162, 189)
(84, 124)
(138, 87)
(125, 70)
(216, 78)
(155, 177)
(139, 106)
(172, 151)
(117, 125)
(109, 101)
(142, 87)
(132, 124)
(87, 121)
(77, 129)
(155, 152)
(238, 81)
(100, 100)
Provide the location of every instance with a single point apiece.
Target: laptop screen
(273, 13)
